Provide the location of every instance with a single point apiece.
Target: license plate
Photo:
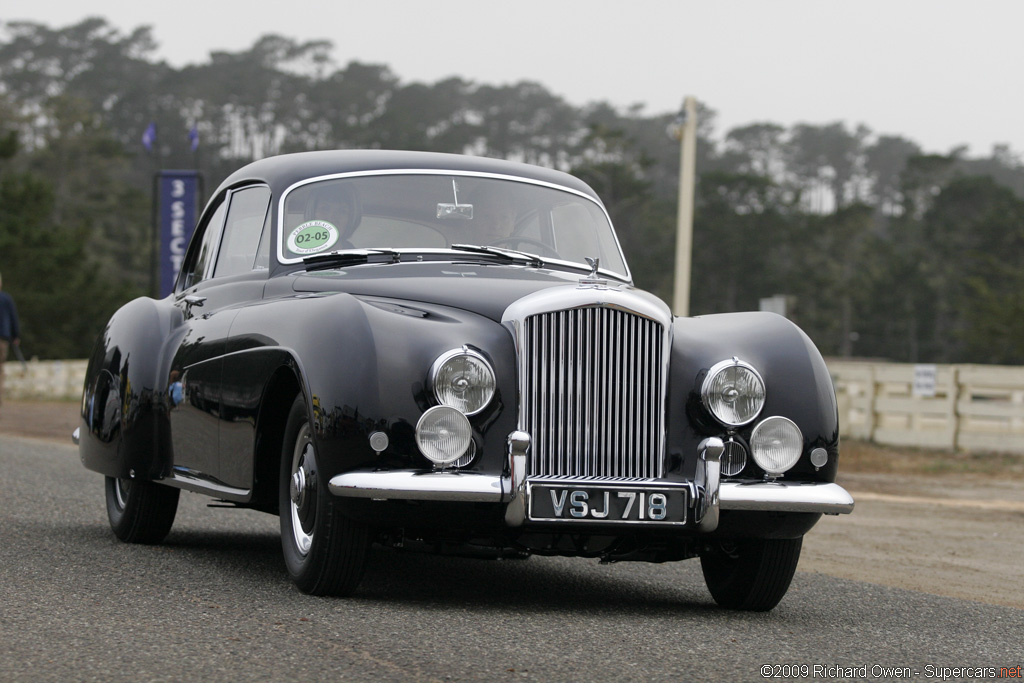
(640, 505)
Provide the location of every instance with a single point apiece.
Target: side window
(197, 267)
(574, 232)
(242, 231)
(263, 255)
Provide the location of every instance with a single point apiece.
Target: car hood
(481, 288)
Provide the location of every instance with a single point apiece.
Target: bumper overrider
(601, 500)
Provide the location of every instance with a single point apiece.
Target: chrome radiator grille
(593, 393)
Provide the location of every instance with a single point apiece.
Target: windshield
(417, 211)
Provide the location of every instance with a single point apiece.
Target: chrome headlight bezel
(711, 393)
(445, 395)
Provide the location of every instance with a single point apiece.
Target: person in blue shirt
(9, 331)
(175, 388)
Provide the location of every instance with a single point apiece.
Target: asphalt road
(214, 603)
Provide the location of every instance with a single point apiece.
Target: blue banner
(178, 193)
(149, 137)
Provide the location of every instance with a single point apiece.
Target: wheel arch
(278, 395)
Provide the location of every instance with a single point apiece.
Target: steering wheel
(544, 249)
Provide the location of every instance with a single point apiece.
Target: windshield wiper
(351, 257)
(510, 255)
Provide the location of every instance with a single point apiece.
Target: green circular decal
(312, 237)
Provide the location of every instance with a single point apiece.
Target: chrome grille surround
(593, 371)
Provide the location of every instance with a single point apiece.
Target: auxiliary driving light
(443, 435)
(776, 444)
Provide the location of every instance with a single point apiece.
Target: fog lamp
(734, 458)
(443, 435)
(776, 444)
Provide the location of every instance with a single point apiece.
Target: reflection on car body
(447, 352)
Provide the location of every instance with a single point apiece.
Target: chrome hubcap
(298, 487)
(121, 488)
(302, 491)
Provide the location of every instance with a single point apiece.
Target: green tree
(758, 149)
(885, 161)
(741, 236)
(90, 60)
(831, 276)
(828, 157)
(975, 232)
(347, 103)
(63, 299)
(644, 222)
(525, 122)
(429, 118)
(93, 191)
(995, 318)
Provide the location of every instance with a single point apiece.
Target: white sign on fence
(924, 380)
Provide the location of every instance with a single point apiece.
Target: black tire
(751, 574)
(325, 552)
(140, 511)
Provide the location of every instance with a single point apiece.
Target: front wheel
(750, 574)
(325, 552)
(140, 511)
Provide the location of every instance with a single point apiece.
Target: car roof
(283, 171)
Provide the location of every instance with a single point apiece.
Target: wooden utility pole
(686, 132)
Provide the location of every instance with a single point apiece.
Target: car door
(221, 272)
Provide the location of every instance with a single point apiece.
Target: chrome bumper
(413, 485)
(830, 499)
(712, 494)
(450, 485)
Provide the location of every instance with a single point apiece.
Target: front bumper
(830, 499)
(709, 494)
(462, 487)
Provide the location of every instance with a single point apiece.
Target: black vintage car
(446, 352)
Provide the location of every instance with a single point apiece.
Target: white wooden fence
(955, 407)
(44, 380)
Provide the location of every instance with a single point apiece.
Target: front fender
(797, 383)
(363, 364)
(122, 398)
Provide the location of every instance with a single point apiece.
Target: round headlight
(443, 435)
(734, 392)
(776, 444)
(462, 379)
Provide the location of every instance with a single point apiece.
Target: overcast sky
(941, 72)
